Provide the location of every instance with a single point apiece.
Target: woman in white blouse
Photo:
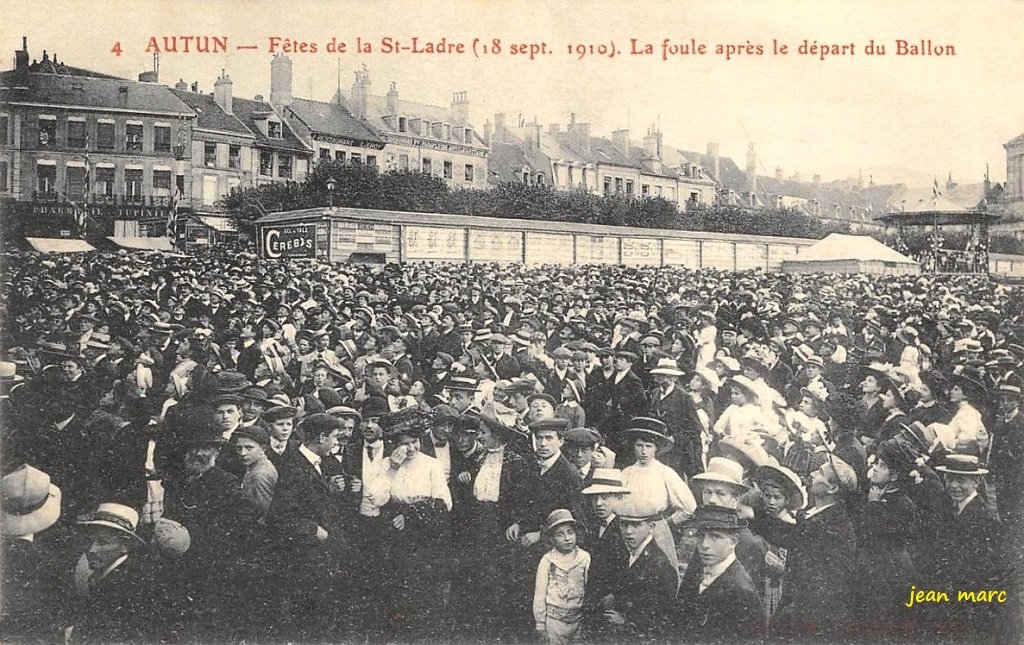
(419, 507)
(657, 490)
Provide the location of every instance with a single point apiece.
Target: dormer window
(403, 124)
(274, 130)
(469, 135)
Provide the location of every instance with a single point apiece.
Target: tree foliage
(361, 186)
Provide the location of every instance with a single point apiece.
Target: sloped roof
(837, 246)
(143, 243)
(210, 115)
(377, 109)
(59, 245)
(332, 119)
(932, 203)
(101, 93)
(217, 223)
(247, 110)
(956, 198)
(506, 162)
(1018, 141)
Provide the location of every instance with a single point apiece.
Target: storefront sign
(297, 241)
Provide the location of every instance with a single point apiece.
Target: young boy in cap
(561, 581)
(717, 598)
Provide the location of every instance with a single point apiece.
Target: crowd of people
(229, 449)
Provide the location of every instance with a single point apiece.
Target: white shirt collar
(962, 505)
(633, 557)
(817, 509)
(712, 573)
(548, 463)
(311, 456)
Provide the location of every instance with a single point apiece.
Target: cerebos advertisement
(296, 241)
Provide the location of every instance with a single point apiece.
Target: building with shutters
(80, 147)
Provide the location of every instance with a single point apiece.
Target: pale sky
(894, 118)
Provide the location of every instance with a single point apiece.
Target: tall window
(133, 137)
(162, 138)
(629, 187)
(76, 134)
(46, 178)
(403, 124)
(618, 185)
(105, 136)
(447, 170)
(469, 172)
(133, 184)
(47, 132)
(104, 184)
(234, 157)
(339, 155)
(266, 163)
(74, 186)
(209, 154)
(607, 185)
(427, 166)
(284, 166)
(5, 123)
(4, 185)
(162, 183)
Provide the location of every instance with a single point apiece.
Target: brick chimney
(499, 127)
(222, 92)
(620, 141)
(716, 163)
(361, 93)
(21, 56)
(181, 85)
(392, 99)
(280, 81)
(488, 131)
(579, 134)
(460, 108)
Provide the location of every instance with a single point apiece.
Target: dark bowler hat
(374, 407)
(711, 517)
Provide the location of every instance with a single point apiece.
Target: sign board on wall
(548, 248)
(495, 246)
(293, 241)
(684, 253)
(718, 255)
(593, 249)
(751, 256)
(434, 243)
(639, 251)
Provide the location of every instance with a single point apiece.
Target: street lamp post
(331, 185)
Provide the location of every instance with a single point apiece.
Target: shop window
(162, 138)
(104, 136)
(325, 154)
(133, 137)
(339, 155)
(356, 158)
(76, 134)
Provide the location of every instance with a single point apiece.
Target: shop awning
(143, 243)
(59, 245)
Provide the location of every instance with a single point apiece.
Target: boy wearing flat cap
(717, 598)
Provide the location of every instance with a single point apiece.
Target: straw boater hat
(789, 481)
(30, 502)
(606, 481)
(723, 470)
(667, 367)
(961, 465)
(649, 429)
(119, 517)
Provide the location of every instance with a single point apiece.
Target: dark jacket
(818, 589)
(303, 501)
(679, 413)
(559, 487)
(608, 559)
(644, 593)
(728, 610)
(969, 548)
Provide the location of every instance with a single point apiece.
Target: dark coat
(643, 593)
(116, 609)
(507, 367)
(969, 548)
(29, 606)
(514, 499)
(884, 568)
(626, 399)
(559, 487)
(679, 413)
(303, 501)
(818, 591)
(730, 608)
(1006, 462)
(608, 559)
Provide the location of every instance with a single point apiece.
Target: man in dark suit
(626, 400)
(602, 538)
(638, 604)
(280, 420)
(717, 599)
(554, 482)
(506, 365)
(817, 594)
(598, 385)
(673, 406)
(1006, 459)
(308, 518)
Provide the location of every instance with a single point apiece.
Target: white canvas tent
(59, 245)
(839, 253)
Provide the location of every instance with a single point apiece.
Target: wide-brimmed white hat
(668, 367)
(606, 481)
(724, 470)
(30, 502)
